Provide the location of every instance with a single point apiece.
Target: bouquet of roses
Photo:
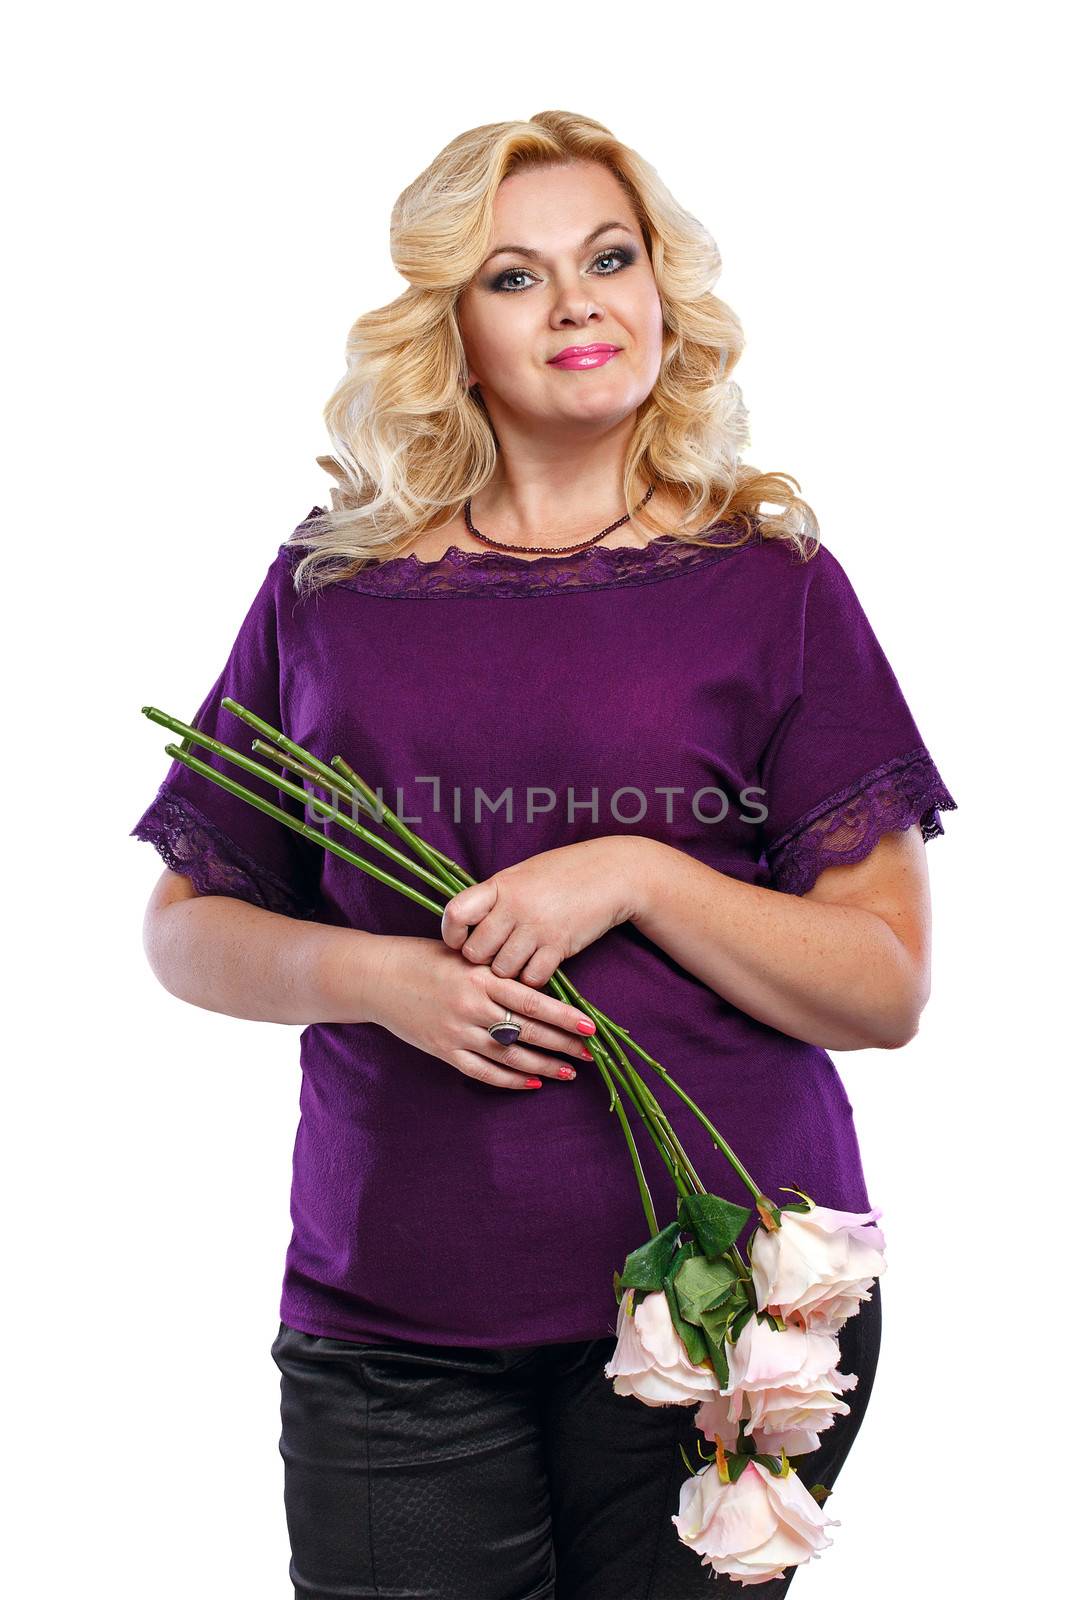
(749, 1340)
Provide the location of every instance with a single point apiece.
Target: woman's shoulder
(294, 547)
(780, 566)
(816, 572)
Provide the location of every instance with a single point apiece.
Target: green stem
(639, 1171)
(328, 776)
(648, 1107)
(431, 856)
(600, 1018)
(632, 1086)
(196, 765)
(445, 874)
(655, 1111)
(632, 1081)
(290, 763)
(194, 736)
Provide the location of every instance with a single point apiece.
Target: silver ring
(505, 1032)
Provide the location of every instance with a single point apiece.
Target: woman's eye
(619, 258)
(513, 272)
(622, 257)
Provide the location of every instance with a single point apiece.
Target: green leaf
(714, 1221)
(702, 1284)
(739, 1322)
(718, 1318)
(718, 1360)
(820, 1492)
(646, 1267)
(696, 1345)
(684, 1253)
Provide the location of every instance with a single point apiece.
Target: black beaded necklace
(547, 549)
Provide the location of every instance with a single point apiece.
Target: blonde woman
(613, 671)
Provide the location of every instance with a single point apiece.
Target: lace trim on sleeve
(192, 845)
(848, 825)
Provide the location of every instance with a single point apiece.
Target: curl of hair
(412, 442)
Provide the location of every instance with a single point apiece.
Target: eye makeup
(623, 255)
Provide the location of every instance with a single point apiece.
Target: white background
(200, 200)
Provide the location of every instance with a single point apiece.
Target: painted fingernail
(587, 1055)
(532, 1083)
(588, 1026)
(567, 1072)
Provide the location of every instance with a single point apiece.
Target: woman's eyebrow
(536, 255)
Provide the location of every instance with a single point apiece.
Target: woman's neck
(634, 534)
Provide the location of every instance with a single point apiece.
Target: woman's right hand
(435, 999)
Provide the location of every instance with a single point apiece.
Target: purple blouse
(732, 703)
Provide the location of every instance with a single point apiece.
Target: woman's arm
(221, 953)
(845, 966)
(224, 954)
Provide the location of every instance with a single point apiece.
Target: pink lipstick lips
(584, 355)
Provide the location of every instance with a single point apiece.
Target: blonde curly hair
(412, 442)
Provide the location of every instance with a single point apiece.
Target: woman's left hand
(526, 919)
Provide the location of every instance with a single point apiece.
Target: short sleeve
(846, 762)
(222, 843)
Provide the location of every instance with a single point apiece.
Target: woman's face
(563, 288)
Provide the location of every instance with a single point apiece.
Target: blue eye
(621, 256)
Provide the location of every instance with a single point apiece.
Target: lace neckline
(483, 573)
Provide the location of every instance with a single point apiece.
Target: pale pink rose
(650, 1360)
(753, 1529)
(784, 1387)
(818, 1267)
(713, 1416)
(792, 1420)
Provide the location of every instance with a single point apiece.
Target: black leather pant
(425, 1472)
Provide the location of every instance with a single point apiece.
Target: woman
(549, 616)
